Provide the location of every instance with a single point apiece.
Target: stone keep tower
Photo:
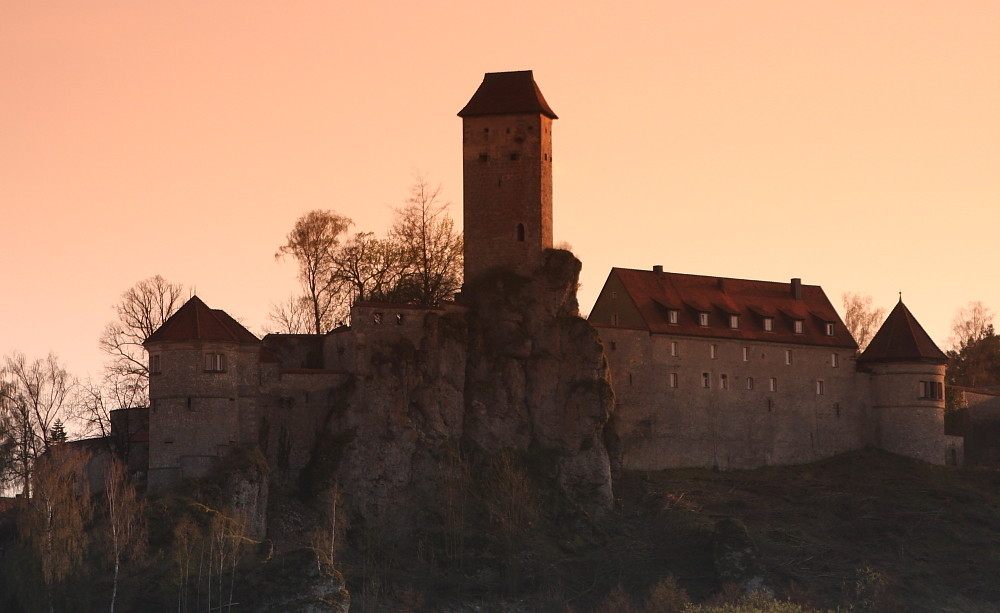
(507, 172)
(907, 388)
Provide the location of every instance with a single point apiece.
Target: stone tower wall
(196, 414)
(906, 423)
(507, 164)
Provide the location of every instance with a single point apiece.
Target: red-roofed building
(736, 373)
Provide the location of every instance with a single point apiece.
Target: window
(672, 380)
(829, 329)
(768, 324)
(746, 354)
(706, 380)
(788, 356)
(798, 326)
(932, 390)
(820, 387)
(154, 364)
(520, 232)
(215, 362)
(614, 345)
(702, 319)
(399, 319)
(377, 318)
(773, 384)
(672, 316)
(834, 360)
(734, 321)
(749, 383)
(614, 319)
(714, 352)
(673, 349)
(723, 382)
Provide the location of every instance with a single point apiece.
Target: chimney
(797, 288)
(658, 268)
(722, 285)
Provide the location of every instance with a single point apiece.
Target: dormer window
(798, 325)
(672, 316)
(829, 329)
(702, 318)
(734, 321)
(215, 362)
(768, 324)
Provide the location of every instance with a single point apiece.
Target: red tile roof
(195, 321)
(655, 293)
(902, 339)
(507, 93)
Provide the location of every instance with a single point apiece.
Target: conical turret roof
(902, 339)
(507, 93)
(195, 321)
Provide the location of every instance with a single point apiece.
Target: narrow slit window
(520, 232)
(672, 380)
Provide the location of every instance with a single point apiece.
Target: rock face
(518, 370)
(299, 584)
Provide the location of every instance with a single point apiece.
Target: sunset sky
(853, 144)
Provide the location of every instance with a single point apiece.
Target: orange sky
(853, 144)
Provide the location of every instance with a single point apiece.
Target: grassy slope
(933, 531)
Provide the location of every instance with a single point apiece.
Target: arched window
(520, 232)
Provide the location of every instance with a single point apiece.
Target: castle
(706, 371)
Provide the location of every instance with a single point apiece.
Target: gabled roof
(902, 339)
(195, 321)
(721, 297)
(507, 93)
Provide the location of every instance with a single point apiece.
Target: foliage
(861, 318)
(974, 357)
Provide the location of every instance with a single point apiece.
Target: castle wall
(196, 413)
(906, 421)
(507, 162)
(666, 417)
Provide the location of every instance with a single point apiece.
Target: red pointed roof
(195, 321)
(507, 93)
(902, 339)
(655, 293)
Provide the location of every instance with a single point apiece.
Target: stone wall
(667, 417)
(905, 422)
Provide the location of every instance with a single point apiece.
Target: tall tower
(907, 388)
(507, 173)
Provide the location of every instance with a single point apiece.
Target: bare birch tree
(126, 522)
(313, 242)
(34, 395)
(861, 318)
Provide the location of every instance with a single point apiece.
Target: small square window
(672, 316)
(215, 362)
(734, 321)
(829, 329)
(820, 387)
(798, 326)
(773, 384)
(724, 382)
(714, 352)
(706, 380)
(834, 360)
(377, 318)
(614, 319)
(672, 380)
(768, 324)
(702, 319)
(749, 383)
(673, 349)
(788, 356)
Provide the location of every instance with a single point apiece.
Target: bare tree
(290, 317)
(54, 522)
(140, 311)
(432, 247)
(971, 324)
(34, 395)
(313, 242)
(369, 268)
(126, 521)
(861, 318)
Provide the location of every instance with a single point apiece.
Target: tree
(290, 317)
(313, 242)
(34, 395)
(126, 521)
(970, 324)
(140, 311)
(431, 247)
(54, 521)
(974, 357)
(369, 268)
(861, 318)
